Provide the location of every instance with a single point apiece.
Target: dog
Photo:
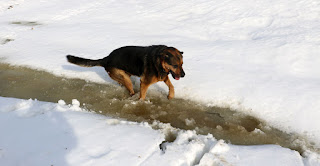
(152, 64)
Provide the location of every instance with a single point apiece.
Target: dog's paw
(170, 97)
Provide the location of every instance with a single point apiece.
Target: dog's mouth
(174, 75)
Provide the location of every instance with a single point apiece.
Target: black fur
(83, 61)
(132, 59)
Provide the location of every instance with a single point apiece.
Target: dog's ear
(159, 55)
(164, 55)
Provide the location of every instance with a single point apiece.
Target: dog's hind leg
(122, 78)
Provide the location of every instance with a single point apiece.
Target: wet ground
(113, 100)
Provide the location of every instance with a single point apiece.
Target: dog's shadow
(101, 72)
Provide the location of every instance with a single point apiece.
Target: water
(113, 100)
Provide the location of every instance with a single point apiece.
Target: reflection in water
(113, 100)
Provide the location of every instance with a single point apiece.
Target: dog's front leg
(145, 82)
(171, 88)
(143, 90)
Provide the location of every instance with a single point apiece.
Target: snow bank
(41, 133)
(38, 133)
(223, 154)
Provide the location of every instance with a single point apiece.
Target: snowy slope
(40, 133)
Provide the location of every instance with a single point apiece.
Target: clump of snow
(61, 102)
(190, 122)
(75, 103)
(187, 149)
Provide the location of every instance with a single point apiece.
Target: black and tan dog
(151, 64)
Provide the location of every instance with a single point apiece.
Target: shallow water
(113, 100)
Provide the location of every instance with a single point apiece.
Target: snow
(42, 133)
(223, 154)
(39, 133)
(257, 57)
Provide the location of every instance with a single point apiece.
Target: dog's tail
(84, 62)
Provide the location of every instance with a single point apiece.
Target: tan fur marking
(170, 86)
(144, 85)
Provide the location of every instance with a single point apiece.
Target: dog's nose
(182, 73)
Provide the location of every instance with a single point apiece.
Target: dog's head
(172, 62)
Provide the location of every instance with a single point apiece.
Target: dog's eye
(175, 66)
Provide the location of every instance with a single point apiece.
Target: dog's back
(130, 59)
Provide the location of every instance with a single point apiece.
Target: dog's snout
(182, 73)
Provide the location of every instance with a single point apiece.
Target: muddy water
(113, 100)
